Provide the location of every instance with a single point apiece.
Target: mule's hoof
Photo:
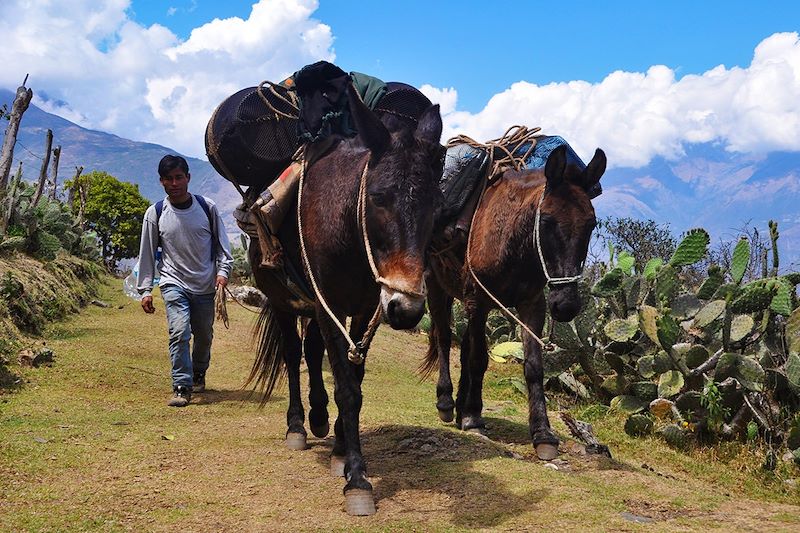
(546, 452)
(359, 502)
(296, 441)
(321, 431)
(446, 415)
(337, 465)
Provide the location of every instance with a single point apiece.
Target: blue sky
(483, 47)
(641, 79)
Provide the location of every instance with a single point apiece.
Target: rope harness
(509, 143)
(356, 352)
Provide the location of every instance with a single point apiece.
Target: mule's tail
(268, 368)
(431, 361)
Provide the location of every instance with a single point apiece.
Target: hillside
(707, 186)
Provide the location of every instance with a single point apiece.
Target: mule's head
(401, 200)
(567, 221)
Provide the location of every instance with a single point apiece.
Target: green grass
(105, 466)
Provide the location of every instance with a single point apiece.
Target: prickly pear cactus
(782, 301)
(620, 330)
(638, 425)
(715, 279)
(674, 436)
(754, 299)
(651, 268)
(740, 259)
(628, 404)
(670, 384)
(668, 331)
(609, 284)
(647, 322)
(741, 326)
(696, 356)
(667, 284)
(692, 248)
(709, 313)
(741, 367)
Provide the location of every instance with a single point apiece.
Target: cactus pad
(661, 408)
(744, 369)
(792, 370)
(666, 284)
(625, 261)
(647, 322)
(620, 330)
(792, 279)
(645, 390)
(741, 326)
(638, 425)
(670, 383)
(651, 268)
(740, 259)
(645, 366)
(793, 332)
(696, 356)
(556, 361)
(628, 404)
(674, 436)
(754, 299)
(586, 321)
(714, 280)
(565, 337)
(662, 362)
(668, 331)
(505, 351)
(782, 301)
(686, 306)
(692, 248)
(609, 284)
(709, 313)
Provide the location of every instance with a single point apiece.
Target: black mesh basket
(246, 141)
(403, 100)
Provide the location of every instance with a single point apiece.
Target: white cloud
(144, 83)
(635, 116)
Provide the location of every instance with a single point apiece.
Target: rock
(35, 358)
(99, 303)
(551, 466)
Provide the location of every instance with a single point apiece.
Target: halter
(357, 351)
(537, 238)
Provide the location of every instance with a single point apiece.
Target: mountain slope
(707, 186)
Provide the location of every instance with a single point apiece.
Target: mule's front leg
(543, 438)
(439, 340)
(314, 348)
(347, 394)
(474, 360)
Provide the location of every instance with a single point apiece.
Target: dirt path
(89, 444)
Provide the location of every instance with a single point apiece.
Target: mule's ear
(555, 166)
(594, 170)
(371, 130)
(429, 127)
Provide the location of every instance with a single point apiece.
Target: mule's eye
(380, 198)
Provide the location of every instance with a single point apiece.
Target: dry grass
(82, 448)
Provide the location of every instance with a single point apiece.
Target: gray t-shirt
(186, 245)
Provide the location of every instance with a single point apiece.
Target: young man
(195, 260)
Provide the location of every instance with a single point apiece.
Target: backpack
(204, 205)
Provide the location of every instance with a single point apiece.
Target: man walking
(195, 259)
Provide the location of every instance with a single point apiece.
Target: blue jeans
(188, 314)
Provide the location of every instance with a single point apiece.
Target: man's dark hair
(169, 163)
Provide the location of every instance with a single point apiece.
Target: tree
(643, 239)
(114, 210)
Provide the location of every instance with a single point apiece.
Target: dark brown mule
(506, 260)
(405, 164)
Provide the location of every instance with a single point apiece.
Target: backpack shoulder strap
(207, 209)
(159, 209)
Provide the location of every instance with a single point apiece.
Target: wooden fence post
(43, 172)
(54, 172)
(21, 102)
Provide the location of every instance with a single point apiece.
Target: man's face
(176, 184)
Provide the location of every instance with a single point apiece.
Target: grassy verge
(89, 444)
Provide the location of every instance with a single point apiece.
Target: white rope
(537, 238)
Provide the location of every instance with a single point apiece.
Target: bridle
(551, 281)
(356, 352)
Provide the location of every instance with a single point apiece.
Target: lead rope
(538, 241)
(356, 352)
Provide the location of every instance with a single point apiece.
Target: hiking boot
(182, 397)
(199, 383)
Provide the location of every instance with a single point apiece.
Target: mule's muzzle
(402, 310)
(564, 302)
